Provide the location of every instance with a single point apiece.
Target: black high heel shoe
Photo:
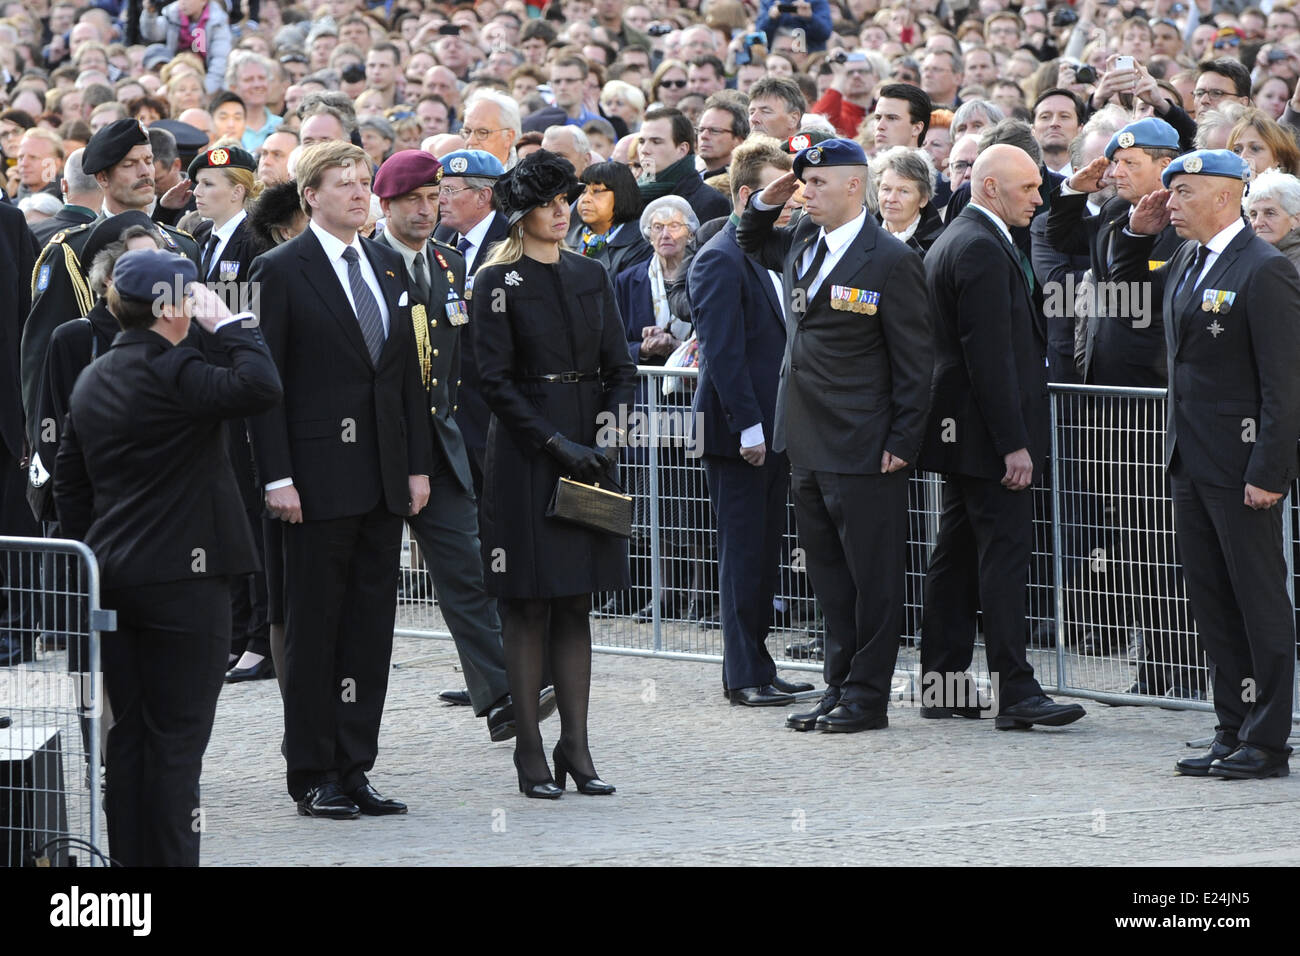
(541, 790)
(591, 786)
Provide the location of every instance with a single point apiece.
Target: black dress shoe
(1250, 763)
(262, 670)
(1039, 709)
(370, 802)
(537, 789)
(328, 801)
(830, 700)
(765, 696)
(813, 649)
(851, 717)
(791, 687)
(458, 697)
(501, 718)
(1199, 766)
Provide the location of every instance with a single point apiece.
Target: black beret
(223, 157)
(107, 231)
(110, 145)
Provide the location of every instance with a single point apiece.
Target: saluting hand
(1151, 214)
(205, 306)
(1089, 179)
(779, 190)
(179, 196)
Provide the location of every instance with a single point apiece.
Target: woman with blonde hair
(668, 85)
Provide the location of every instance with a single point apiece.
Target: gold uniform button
(434, 323)
(435, 383)
(457, 381)
(435, 353)
(455, 408)
(434, 410)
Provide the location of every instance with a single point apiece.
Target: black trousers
(749, 508)
(163, 670)
(980, 563)
(447, 532)
(19, 574)
(854, 531)
(250, 623)
(1236, 586)
(340, 604)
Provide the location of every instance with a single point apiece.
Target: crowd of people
(445, 234)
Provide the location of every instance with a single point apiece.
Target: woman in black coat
(902, 187)
(555, 372)
(607, 227)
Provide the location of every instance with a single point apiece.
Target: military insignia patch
(814, 156)
(219, 157)
(43, 278)
(1192, 164)
(458, 164)
(800, 141)
(1126, 140)
(228, 271)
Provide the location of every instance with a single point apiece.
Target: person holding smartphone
(810, 18)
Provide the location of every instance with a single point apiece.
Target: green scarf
(666, 179)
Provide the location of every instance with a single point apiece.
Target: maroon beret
(404, 171)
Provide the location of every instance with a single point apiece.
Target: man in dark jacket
(667, 151)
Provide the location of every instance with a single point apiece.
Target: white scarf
(659, 301)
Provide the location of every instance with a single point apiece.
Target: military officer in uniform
(121, 160)
(447, 529)
(1232, 333)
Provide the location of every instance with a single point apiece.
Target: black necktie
(1191, 278)
(422, 289)
(368, 315)
(208, 253)
(463, 246)
(810, 274)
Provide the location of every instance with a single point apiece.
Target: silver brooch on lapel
(513, 278)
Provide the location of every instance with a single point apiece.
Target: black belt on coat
(565, 377)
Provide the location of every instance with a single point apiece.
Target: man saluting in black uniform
(1232, 328)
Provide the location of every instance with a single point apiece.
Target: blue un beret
(1149, 133)
(151, 274)
(1208, 162)
(830, 152)
(472, 162)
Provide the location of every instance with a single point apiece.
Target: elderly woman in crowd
(973, 115)
(1262, 143)
(377, 138)
(902, 185)
(1214, 126)
(1273, 205)
(608, 223)
(625, 101)
(653, 332)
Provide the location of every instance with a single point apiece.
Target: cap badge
(458, 164)
(1192, 164)
(814, 156)
(1126, 140)
(800, 141)
(219, 157)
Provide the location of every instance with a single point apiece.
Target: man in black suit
(1232, 331)
(17, 256)
(469, 221)
(850, 414)
(667, 152)
(447, 530)
(344, 459)
(82, 198)
(987, 435)
(143, 479)
(736, 309)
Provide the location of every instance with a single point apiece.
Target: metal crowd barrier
(1105, 604)
(50, 704)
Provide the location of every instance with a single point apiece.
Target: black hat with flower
(535, 181)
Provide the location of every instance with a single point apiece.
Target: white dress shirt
(476, 235)
(1216, 245)
(334, 247)
(223, 238)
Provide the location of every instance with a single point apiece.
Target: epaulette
(445, 245)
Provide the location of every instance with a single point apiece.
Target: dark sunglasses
(1224, 44)
(674, 84)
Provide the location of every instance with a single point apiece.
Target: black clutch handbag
(592, 507)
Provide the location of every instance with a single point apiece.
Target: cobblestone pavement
(702, 782)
